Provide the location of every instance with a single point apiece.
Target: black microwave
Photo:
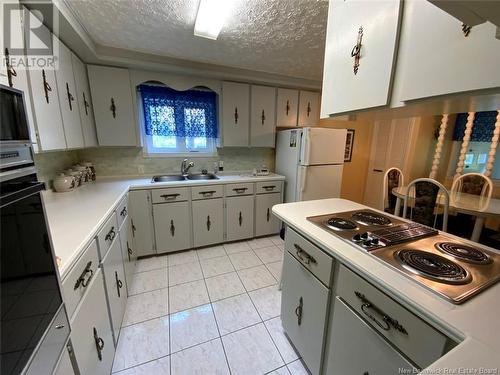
(13, 121)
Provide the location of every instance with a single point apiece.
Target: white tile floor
(208, 311)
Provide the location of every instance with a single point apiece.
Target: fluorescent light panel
(211, 17)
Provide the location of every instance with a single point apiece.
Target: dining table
(474, 205)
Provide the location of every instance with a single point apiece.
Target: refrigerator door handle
(302, 182)
(307, 148)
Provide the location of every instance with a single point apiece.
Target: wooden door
(172, 226)
(208, 222)
(262, 116)
(235, 114)
(287, 105)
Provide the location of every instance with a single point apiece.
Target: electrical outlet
(221, 165)
(140, 169)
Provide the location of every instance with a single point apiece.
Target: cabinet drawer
(418, 340)
(310, 256)
(170, 195)
(205, 192)
(107, 235)
(76, 281)
(268, 187)
(122, 211)
(239, 189)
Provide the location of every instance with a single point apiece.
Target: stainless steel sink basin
(168, 178)
(208, 176)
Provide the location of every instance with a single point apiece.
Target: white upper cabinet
(84, 102)
(68, 96)
(45, 98)
(309, 103)
(113, 106)
(287, 105)
(235, 114)
(368, 30)
(436, 57)
(262, 116)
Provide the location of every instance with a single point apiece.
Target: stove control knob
(364, 236)
(356, 237)
(375, 241)
(367, 243)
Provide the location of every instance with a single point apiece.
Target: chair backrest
(428, 196)
(473, 183)
(393, 177)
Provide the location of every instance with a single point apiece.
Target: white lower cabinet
(265, 222)
(141, 222)
(91, 332)
(239, 217)
(304, 306)
(64, 367)
(128, 254)
(114, 279)
(172, 226)
(208, 222)
(356, 348)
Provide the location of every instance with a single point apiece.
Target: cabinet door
(91, 333)
(239, 217)
(287, 106)
(84, 102)
(262, 116)
(64, 367)
(141, 221)
(68, 97)
(128, 253)
(172, 226)
(45, 98)
(308, 108)
(113, 106)
(235, 113)
(304, 304)
(208, 222)
(265, 222)
(459, 62)
(356, 348)
(114, 278)
(343, 89)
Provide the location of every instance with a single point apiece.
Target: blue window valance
(168, 112)
(482, 129)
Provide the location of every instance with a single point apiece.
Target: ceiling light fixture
(211, 17)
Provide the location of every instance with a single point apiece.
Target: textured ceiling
(276, 36)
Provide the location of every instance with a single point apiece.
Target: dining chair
(429, 199)
(393, 177)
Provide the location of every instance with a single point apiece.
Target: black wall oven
(34, 328)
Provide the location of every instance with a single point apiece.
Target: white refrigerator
(312, 161)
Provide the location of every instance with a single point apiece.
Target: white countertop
(75, 217)
(476, 323)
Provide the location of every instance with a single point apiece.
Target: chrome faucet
(185, 165)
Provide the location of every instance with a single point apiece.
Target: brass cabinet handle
(303, 255)
(112, 107)
(207, 193)
(386, 323)
(46, 86)
(11, 72)
(123, 212)
(133, 227)
(240, 219)
(287, 106)
(111, 235)
(99, 344)
(129, 251)
(268, 215)
(466, 29)
(356, 51)
(236, 116)
(82, 280)
(308, 108)
(240, 190)
(269, 187)
(86, 104)
(172, 228)
(70, 97)
(298, 311)
(119, 284)
(168, 197)
(263, 117)
(209, 224)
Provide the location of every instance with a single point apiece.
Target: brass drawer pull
(386, 323)
(123, 212)
(99, 344)
(82, 281)
(298, 311)
(207, 193)
(169, 197)
(240, 190)
(269, 187)
(303, 255)
(111, 235)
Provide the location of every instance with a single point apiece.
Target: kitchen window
(179, 122)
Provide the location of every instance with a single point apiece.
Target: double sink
(178, 177)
